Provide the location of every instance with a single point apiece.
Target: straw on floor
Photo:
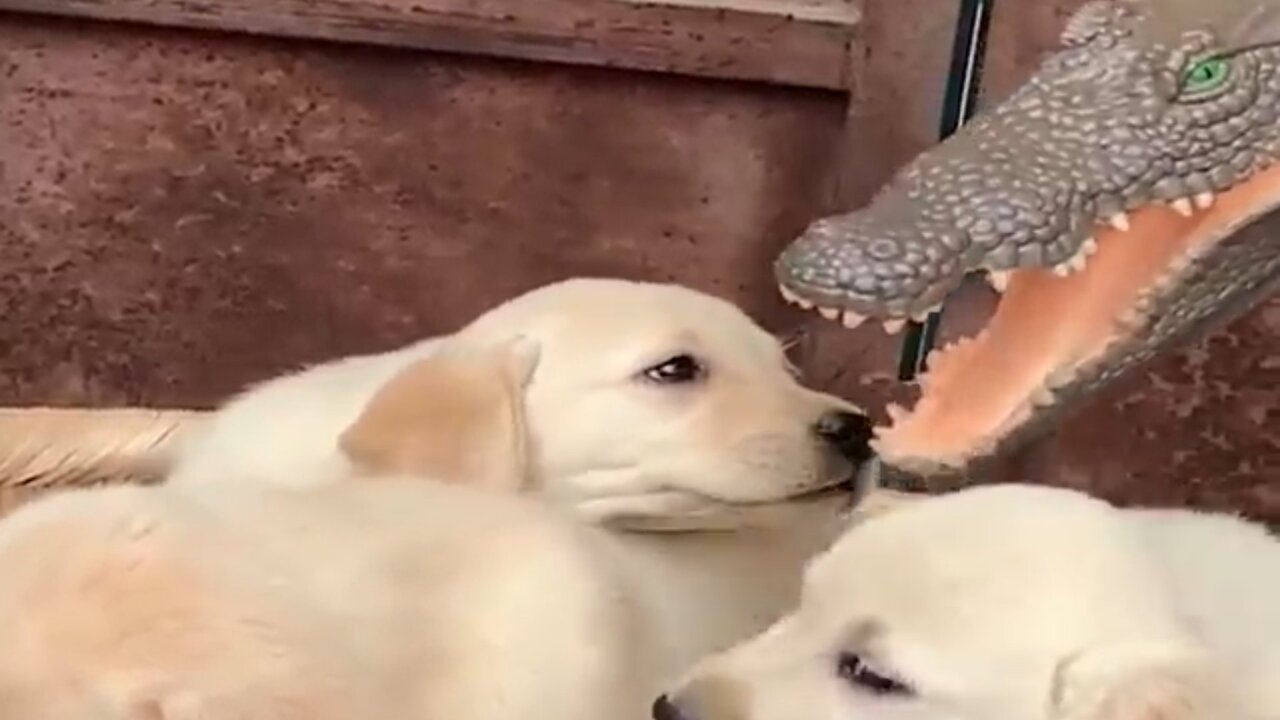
(43, 449)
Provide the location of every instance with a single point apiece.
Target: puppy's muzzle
(848, 432)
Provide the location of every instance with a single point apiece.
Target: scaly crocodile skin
(1150, 106)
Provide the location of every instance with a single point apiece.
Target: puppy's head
(997, 603)
(456, 416)
(657, 407)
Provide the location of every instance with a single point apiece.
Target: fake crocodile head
(1124, 199)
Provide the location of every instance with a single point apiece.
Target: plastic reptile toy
(1123, 200)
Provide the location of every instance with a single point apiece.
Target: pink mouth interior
(1047, 328)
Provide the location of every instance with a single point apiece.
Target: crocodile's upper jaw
(1053, 339)
(1122, 201)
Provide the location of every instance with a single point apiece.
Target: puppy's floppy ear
(1141, 681)
(456, 416)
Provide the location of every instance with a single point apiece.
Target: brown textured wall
(184, 213)
(181, 213)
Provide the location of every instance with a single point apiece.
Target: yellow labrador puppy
(381, 597)
(1015, 603)
(648, 405)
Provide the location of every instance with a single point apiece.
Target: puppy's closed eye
(853, 669)
(676, 370)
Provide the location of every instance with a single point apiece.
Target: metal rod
(959, 105)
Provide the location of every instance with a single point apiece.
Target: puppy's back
(363, 599)
(1225, 573)
(130, 603)
(285, 430)
(494, 606)
(1225, 570)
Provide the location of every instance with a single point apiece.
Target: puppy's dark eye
(853, 670)
(681, 368)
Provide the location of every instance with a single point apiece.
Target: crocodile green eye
(1206, 75)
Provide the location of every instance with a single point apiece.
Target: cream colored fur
(600, 438)
(395, 599)
(1016, 603)
(413, 597)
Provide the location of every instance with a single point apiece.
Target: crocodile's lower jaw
(1049, 331)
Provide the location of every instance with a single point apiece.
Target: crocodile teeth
(829, 313)
(1042, 397)
(1067, 267)
(1204, 200)
(999, 279)
(924, 314)
(1089, 247)
(895, 412)
(851, 319)
(1119, 221)
(1059, 378)
(794, 299)
(1077, 262)
(893, 327)
(1183, 207)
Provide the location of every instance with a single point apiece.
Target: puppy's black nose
(665, 709)
(848, 432)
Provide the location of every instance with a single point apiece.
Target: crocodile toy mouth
(1053, 325)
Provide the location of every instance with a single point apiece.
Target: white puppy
(385, 597)
(1016, 603)
(649, 405)
(396, 598)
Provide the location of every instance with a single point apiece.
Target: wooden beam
(790, 42)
